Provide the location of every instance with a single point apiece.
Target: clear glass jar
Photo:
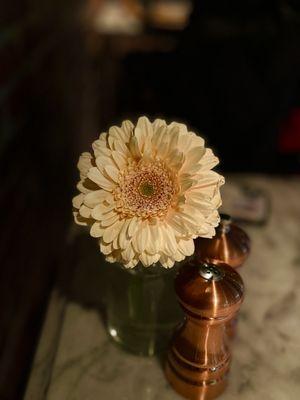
(142, 309)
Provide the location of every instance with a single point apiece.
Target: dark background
(232, 73)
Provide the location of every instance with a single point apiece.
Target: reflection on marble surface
(266, 354)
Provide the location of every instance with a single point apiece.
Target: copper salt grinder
(199, 358)
(230, 245)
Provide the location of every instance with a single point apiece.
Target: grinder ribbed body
(199, 358)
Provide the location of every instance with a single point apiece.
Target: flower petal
(96, 231)
(143, 132)
(169, 241)
(119, 159)
(208, 183)
(92, 199)
(103, 161)
(178, 256)
(128, 253)
(141, 238)
(128, 128)
(124, 237)
(206, 231)
(209, 160)
(106, 248)
(132, 263)
(112, 257)
(157, 123)
(100, 147)
(134, 148)
(174, 136)
(133, 226)
(84, 164)
(78, 200)
(112, 231)
(117, 133)
(147, 259)
(85, 211)
(186, 183)
(182, 128)
(121, 148)
(192, 158)
(159, 136)
(176, 160)
(195, 214)
(101, 210)
(112, 172)
(155, 239)
(166, 262)
(79, 220)
(177, 226)
(109, 219)
(186, 247)
(96, 176)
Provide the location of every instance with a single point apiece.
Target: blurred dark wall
(42, 106)
(247, 58)
(234, 77)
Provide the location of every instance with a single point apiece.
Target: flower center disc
(147, 189)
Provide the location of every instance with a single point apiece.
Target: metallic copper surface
(199, 357)
(230, 245)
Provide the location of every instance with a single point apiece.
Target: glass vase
(142, 310)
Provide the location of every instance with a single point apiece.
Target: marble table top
(75, 360)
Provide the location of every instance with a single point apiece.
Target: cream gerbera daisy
(147, 191)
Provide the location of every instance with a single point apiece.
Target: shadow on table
(83, 280)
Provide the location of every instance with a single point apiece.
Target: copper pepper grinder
(198, 359)
(230, 245)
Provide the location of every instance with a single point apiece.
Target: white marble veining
(266, 354)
